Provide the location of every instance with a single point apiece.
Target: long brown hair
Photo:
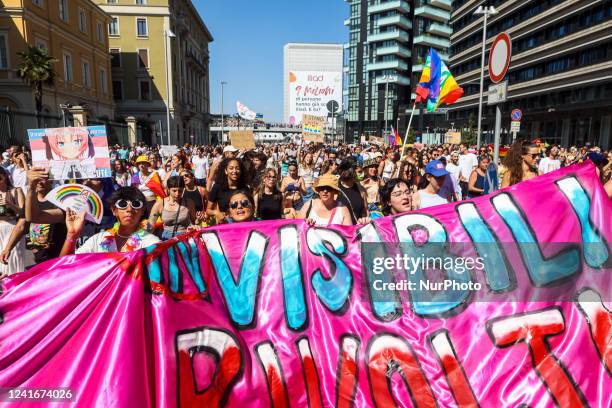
(514, 159)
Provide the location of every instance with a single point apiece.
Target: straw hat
(327, 180)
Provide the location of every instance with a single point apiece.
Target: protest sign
(313, 128)
(168, 150)
(71, 152)
(242, 139)
(281, 314)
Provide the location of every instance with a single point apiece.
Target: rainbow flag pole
(437, 86)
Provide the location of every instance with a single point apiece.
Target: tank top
(196, 197)
(351, 198)
(387, 170)
(270, 208)
(307, 173)
(170, 219)
(479, 183)
(430, 200)
(336, 216)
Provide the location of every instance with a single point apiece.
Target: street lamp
(167, 35)
(486, 11)
(386, 78)
(223, 83)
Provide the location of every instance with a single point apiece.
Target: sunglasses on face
(243, 204)
(123, 204)
(325, 189)
(533, 155)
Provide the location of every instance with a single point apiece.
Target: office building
(560, 74)
(388, 44)
(160, 60)
(74, 33)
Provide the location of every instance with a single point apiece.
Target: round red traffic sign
(516, 114)
(499, 57)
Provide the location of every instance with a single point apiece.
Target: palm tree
(35, 70)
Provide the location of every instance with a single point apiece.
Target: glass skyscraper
(384, 57)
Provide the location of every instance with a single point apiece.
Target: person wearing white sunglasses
(128, 234)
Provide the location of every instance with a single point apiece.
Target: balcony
(347, 22)
(417, 68)
(395, 79)
(395, 64)
(389, 35)
(431, 41)
(445, 4)
(398, 20)
(394, 50)
(432, 13)
(383, 6)
(440, 29)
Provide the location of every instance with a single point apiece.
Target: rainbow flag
(437, 85)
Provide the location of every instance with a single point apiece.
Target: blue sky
(248, 49)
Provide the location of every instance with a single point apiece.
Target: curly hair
(221, 177)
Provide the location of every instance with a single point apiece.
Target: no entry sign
(499, 57)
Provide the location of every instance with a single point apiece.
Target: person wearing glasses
(128, 233)
(241, 207)
(521, 163)
(326, 210)
(396, 197)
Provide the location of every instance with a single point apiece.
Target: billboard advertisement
(311, 91)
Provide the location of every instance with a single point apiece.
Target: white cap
(229, 148)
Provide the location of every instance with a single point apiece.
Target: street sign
(516, 115)
(515, 126)
(333, 106)
(499, 57)
(498, 93)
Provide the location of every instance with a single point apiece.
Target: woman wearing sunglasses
(128, 233)
(521, 163)
(326, 210)
(241, 207)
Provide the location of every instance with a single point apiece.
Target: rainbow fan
(78, 198)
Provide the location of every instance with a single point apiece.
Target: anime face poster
(71, 152)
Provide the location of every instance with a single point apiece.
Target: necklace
(133, 241)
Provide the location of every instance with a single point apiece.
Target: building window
(111, 1)
(82, 20)
(117, 90)
(113, 26)
(103, 85)
(41, 45)
(86, 75)
(67, 68)
(39, 3)
(3, 51)
(99, 32)
(144, 90)
(141, 27)
(141, 2)
(115, 54)
(143, 58)
(63, 9)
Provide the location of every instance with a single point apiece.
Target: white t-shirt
(200, 166)
(547, 165)
(467, 162)
(18, 177)
(93, 244)
(454, 169)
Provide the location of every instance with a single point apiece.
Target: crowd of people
(200, 186)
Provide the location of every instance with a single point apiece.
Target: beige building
(74, 32)
(160, 60)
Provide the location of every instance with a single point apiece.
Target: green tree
(36, 70)
(468, 134)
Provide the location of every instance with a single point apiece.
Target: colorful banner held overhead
(281, 314)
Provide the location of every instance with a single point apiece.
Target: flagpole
(407, 131)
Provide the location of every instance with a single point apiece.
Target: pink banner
(280, 314)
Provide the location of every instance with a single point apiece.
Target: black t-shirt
(352, 199)
(56, 238)
(220, 197)
(270, 206)
(196, 197)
